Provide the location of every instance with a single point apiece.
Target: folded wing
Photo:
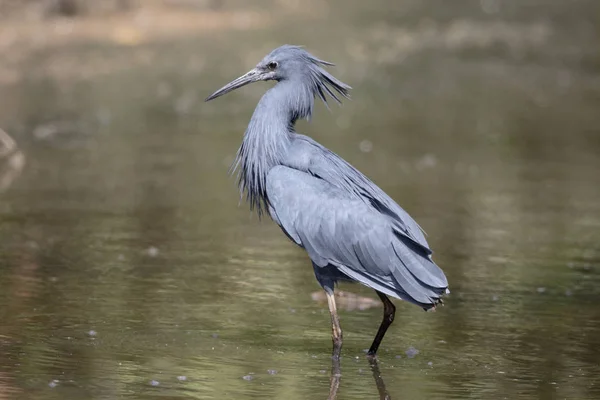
(363, 243)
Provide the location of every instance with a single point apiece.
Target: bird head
(291, 63)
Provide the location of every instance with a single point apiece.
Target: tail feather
(419, 264)
(417, 276)
(401, 284)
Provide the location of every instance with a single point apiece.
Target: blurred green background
(127, 269)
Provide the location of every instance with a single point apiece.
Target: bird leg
(389, 310)
(336, 330)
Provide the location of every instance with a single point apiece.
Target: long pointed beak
(251, 76)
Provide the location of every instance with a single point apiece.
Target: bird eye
(272, 65)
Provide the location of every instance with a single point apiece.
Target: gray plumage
(350, 228)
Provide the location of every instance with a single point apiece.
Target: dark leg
(336, 330)
(389, 310)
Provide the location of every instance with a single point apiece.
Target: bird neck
(267, 140)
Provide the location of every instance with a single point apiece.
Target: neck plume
(264, 146)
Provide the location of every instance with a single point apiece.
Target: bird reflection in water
(336, 375)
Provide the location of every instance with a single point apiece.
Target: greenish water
(127, 269)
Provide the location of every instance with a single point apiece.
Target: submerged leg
(389, 310)
(336, 330)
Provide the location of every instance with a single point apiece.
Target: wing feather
(327, 165)
(338, 229)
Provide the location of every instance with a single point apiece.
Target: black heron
(351, 229)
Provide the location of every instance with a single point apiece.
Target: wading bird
(350, 228)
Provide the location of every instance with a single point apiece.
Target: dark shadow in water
(334, 382)
(383, 393)
(336, 374)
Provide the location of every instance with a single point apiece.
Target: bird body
(351, 229)
(331, 213)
